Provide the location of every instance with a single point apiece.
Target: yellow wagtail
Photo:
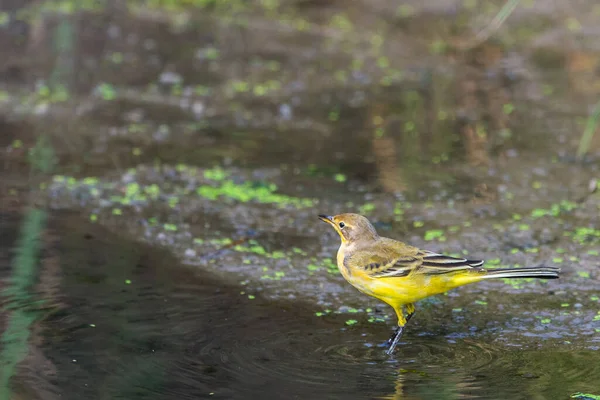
(399, 274)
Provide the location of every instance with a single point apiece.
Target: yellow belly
(397, 291)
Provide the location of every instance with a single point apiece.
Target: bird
(400, 274)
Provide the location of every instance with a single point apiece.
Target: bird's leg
(410, 311)
(394, 340)
(397, 331)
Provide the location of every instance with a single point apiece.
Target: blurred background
(163, 163)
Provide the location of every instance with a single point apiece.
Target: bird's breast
(342, 260)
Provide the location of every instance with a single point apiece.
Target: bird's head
(352, 228)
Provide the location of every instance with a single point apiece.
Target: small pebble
(190, 253)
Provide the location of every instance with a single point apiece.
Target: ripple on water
(332, 361)
(173, 334)
(294, 358)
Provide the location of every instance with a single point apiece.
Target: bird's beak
(330, 221)
(326, 218)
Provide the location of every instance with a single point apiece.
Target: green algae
(216, 174)
(585, 396)
(453, 228)
(584, 235)
(340, 178)
(555, 210)
(435, 234)
(366, 208)
(170, 227)
(323, 313)
(297, 250)
(327, 264)
(138, 193)
(276, 276)
(249, 191)
(220, 241)
(524, 227)
(330, 266)
(373, 319)
(255, 248)
(517, 283)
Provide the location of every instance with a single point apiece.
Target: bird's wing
(392, 260)
(435, 263)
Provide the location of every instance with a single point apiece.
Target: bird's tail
(527, 272)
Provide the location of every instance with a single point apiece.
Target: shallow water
(175, 333)
(163, 168)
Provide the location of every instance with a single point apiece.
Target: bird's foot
(393, 336)
(393, 341)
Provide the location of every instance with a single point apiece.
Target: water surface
(163, 166)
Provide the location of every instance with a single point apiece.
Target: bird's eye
(342, 224)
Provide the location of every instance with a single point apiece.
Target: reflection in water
(18, 305)
(384, 149)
